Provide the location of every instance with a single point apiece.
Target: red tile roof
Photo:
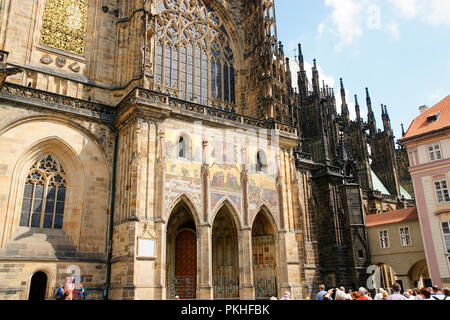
(420, 125)
(392, 217)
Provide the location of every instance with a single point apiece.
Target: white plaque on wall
(146, 248)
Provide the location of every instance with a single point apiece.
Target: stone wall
(25, 135)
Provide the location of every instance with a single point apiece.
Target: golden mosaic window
(194, 60)
(44, 195)
(64, 25)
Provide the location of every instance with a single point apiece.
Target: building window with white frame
(434, 151)
(384, 239)
(405, 237)
(442, 191)
(446, 234)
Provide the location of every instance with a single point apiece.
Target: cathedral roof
(434, 119)
(392, 217)
(405, 193)
(378, 185)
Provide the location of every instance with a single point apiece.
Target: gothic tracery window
(44, 195)
(193, 57)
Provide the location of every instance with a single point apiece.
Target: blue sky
(400, 49)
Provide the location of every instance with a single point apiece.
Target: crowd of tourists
(395, 293)
(62, 293)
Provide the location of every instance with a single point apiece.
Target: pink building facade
(428, 144)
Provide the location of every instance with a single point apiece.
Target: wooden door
(186, 264)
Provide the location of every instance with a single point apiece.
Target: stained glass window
(232, 88)
(226, 87)
(44, 195)
(167, 62)
(159, 62)
(189, 34)
(183, 72)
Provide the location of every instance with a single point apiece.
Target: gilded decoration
(64, 25)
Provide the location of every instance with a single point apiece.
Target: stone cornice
(327, 171)
(153, 104)
(174, 106)
(43, 99)
(429, 166)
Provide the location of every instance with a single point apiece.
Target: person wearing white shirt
(379, 295)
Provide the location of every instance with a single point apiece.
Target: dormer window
(433, 118)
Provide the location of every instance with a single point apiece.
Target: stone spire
(344, 109)
(370, 115)
(315, 79)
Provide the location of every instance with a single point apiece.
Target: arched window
(44, 195)
(64, 25)
(261, 162)
(182, 148)
(203, 70)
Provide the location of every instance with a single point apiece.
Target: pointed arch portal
(181, 253)
(264, 257)
(225, 255)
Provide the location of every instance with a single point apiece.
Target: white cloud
(439, 12)
(350, 18)
(407, 8)
(347, 20)
(321, 29)
(434, 12)
(394, 30)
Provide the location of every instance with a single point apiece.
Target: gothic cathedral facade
(157, 148)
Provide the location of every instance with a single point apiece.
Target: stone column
(282, 274)
(204, 234)
(158, 213)
(246, 288)
(289, 259)
(204, 263)
(160, 266)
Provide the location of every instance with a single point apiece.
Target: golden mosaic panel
(64, 25)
